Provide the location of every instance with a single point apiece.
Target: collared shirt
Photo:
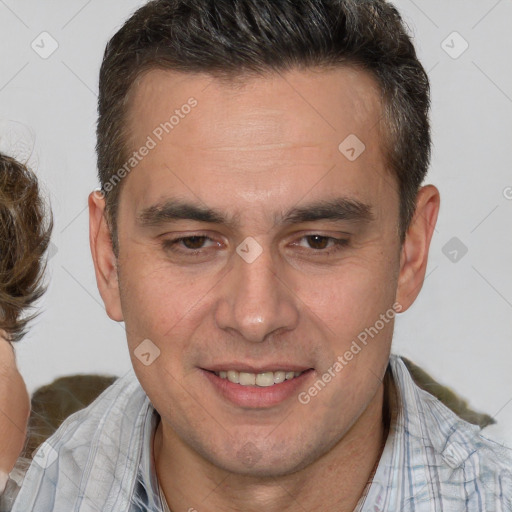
(101, 459)
(434, 461)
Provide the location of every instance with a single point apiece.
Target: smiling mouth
(264, 379)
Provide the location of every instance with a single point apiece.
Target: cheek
(152, 296)
(15, 407)
(354, 295)
(163, 305)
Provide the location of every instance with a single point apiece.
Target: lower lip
(256, 396)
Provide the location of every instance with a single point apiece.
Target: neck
(337, 479)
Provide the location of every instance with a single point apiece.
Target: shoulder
(115, 410)
(458, 459)
(88, 454)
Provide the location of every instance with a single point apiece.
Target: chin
(269, 462)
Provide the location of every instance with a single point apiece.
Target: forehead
(308, 105)
(250, 135)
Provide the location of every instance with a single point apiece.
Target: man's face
(258, 160)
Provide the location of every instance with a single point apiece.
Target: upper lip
(271, 367)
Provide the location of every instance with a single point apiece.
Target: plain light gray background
(460, 328)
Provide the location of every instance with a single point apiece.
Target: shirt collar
(148, 488)
(424, 435)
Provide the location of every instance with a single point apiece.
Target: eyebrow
(339, 209)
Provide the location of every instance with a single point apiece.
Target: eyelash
(338, 244)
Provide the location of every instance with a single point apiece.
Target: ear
(414, 253)
(103, 256)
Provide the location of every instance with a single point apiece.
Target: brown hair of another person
(25, 229)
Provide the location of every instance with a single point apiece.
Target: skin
(254, 150)
(14, 410)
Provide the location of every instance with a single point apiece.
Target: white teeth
(264, 379)
(233, 376)
(279, 377)
(247, 379)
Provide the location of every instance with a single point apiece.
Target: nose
(255, 300)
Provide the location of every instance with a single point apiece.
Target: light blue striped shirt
(101, 460)
(435, 461)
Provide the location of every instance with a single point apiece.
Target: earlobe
(103, 256)
(414, 254)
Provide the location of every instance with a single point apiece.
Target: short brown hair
(233, 37)
(25, 229)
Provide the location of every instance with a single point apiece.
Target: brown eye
(318, 245)
(317, 241)
(194, 242)
(190, 245)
